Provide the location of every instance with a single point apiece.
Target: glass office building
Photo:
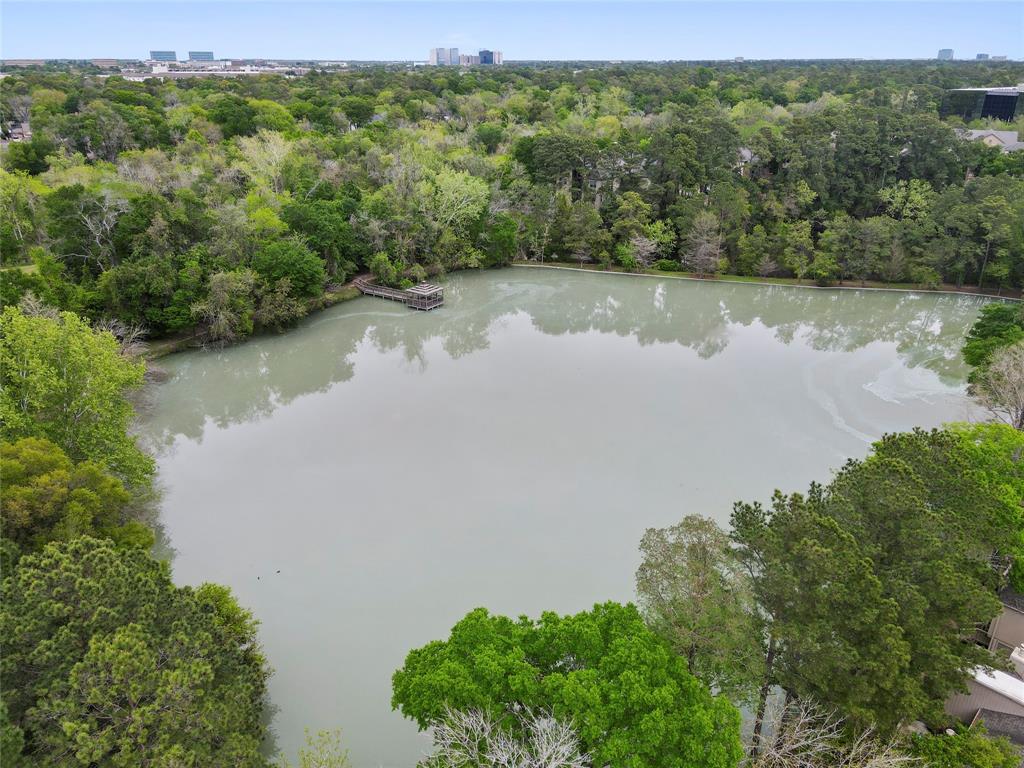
(200, 55)
(976, 103)
(163, 56)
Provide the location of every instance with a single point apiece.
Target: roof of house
(1004, 137)
(1007, 139)
(1001, 724)
(1004, 684)
(1012, 599)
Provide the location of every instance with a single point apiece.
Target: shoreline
(784, 282)
(188, 340)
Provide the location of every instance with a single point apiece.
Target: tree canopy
(67, 383)
(874, 583)
(106, 662)
(631, 699)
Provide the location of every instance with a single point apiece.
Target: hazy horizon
(404, 30)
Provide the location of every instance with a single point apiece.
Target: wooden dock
(425, 296)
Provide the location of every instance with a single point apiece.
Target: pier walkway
(425, 296)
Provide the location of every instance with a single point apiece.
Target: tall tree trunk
(984, 263)
(762, 704)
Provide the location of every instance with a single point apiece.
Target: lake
(366, 479)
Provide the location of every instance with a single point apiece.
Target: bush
(624, 255)
(965, 748)
(926, 277)
(293, 260)
(668, 265)
(384, 272)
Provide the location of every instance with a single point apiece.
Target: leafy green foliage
(967, 748)
(291, 259)
(998, 325)
(67, 383)
(996, 456)
(106, 662)
(872, 583)
(631, 699)
(47, 498)
(695, 595)
(831, 172)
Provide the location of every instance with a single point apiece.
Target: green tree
(490, 135)
(998, 325)
(966, 748)
(291, 259)
(382, 269)
(996, 453)
(67, 383)
(872, 582)
(234, 115)
(326, 227)
(631, 699)
(799, 250)
(694, 593)
(47, 498)
(228, 308)
(357, 109)
(107, 663)
(752, 248)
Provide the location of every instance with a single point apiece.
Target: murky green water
(364, 481)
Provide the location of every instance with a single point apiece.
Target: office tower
(945, 54)
(486, 57)
(982, 57)
(498, 58)
(442, 57)
(163, 56)
(200, 55)
(976, 103)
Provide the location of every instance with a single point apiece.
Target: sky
(539, 29)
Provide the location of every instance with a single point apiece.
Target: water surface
(365, 480)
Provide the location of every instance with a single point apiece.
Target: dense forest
(231, 204)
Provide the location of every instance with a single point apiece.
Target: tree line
(232, 204)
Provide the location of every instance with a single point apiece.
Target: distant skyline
(541, 29)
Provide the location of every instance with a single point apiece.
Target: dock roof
(425, 289)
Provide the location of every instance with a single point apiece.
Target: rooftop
(1006, 685)
(1012, 599)
(424, 289)
(1002, 724)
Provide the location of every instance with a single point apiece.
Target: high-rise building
(468, 59)
(490, 57)
(976, 103)
(163, 56)
(945, 54)
(200, 55)
(498, 58)
(982, 57)
(442, 57)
